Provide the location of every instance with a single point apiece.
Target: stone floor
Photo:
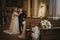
(4, 36)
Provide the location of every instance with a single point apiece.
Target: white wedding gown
(14, 26)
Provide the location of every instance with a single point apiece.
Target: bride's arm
(16, 14)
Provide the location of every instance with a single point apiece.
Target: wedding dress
(14, 26)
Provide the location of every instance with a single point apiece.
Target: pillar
(57, 9)
(52, 9)
(28, 14)
(35, 2)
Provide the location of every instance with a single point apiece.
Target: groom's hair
(20, 7)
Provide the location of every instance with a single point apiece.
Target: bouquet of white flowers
(46, 24)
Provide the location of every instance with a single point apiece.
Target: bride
(14, 26)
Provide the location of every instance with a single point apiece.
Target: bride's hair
(14, 9)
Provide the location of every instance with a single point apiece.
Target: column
(25, 4)
(52, 9)
(57, 9)
(28, 15)
(35, 8)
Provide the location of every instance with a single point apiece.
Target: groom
(21, 18)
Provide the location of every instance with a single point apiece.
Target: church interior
(35, 10)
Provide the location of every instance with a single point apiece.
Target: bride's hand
(16, 14)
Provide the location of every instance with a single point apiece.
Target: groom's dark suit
(21, 17)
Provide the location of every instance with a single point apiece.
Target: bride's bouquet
(46, 24)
